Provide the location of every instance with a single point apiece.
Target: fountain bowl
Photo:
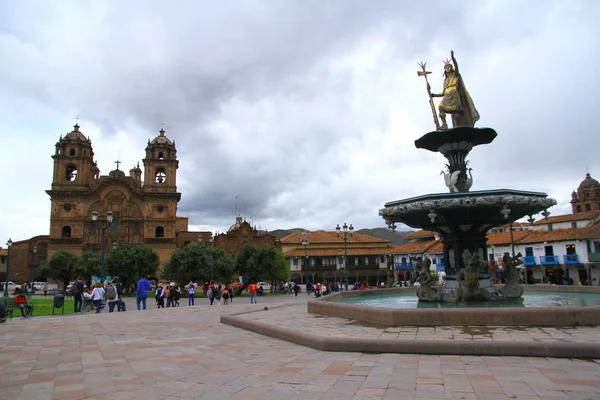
(333, 306)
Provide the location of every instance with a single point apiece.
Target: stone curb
(480, 347)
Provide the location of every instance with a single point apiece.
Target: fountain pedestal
(463, 218)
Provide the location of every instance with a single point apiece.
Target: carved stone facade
(143, 211)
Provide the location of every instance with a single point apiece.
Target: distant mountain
(384, 233)
(281, 233)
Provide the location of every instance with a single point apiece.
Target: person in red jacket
(24, 306)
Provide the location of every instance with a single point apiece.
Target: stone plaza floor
(186, 353)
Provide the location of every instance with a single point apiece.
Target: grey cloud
(262, 72)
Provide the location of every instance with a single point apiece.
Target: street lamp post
(35, 250)
(345, 233)
(305, 244)
(109, 220)
(8, 245)
(114, 247)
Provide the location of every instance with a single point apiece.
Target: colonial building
(422, 244)
(143, 205)
(319, 257)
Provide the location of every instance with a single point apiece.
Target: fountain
(463, 217)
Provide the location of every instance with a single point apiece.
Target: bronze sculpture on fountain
(461, 217)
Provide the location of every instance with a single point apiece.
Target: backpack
(217, 294)
(225, 294)
(111, 292)
(75, 289)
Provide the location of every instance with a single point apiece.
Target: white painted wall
(562, 225)
(559, 249)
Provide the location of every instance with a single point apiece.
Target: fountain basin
(516, 315)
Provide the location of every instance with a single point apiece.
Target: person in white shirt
(97, 296)
(191, 293)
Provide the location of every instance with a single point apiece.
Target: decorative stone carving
(512, 289)
(425, 291)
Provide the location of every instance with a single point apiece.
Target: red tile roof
(557, 235)
(568, 218)
(420, 234)
(358, 251)
(329, 237)
(418, 246)
(437, 247)
(3, 252)
(503, 238)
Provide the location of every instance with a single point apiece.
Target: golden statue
(456, 101)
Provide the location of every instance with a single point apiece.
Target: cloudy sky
(308, 110)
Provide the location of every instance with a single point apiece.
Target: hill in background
(382, 233)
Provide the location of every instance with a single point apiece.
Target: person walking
(211, 294)
(160, 296)
(97, 296)
(77, 291)
(143, 287)
(191, 294)
(252, 288)
(114, 296)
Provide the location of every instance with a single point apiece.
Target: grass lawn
(43, 307)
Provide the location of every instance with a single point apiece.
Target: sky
(307, 110)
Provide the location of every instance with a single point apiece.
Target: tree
(90, 264)
(129, 262)
(197, 262)
(64, 267)
(261, 264)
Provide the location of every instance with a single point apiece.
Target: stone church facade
(143, 204)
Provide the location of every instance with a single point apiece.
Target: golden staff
(431, 103)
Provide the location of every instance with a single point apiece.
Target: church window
(72, 152)
(85, 152)
(160, 208)
(161, 156)
(588, 207)
(136, 228)
(574, 225)
(160, 175)
(71, 173)
(160, 232)
(579, 208)
(58, 151)
(67, 207)
(66, 232)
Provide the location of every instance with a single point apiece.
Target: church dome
(116, 173)
(162, 139)
(589, 183)
(76, 135)
(237, 225)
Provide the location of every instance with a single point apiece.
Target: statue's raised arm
(454, 61)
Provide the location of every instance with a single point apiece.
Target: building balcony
(549, 260)
(361, 266)
(529, 260)
(404, 267)
(594, 257)
(570, 259)
(314, 268)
